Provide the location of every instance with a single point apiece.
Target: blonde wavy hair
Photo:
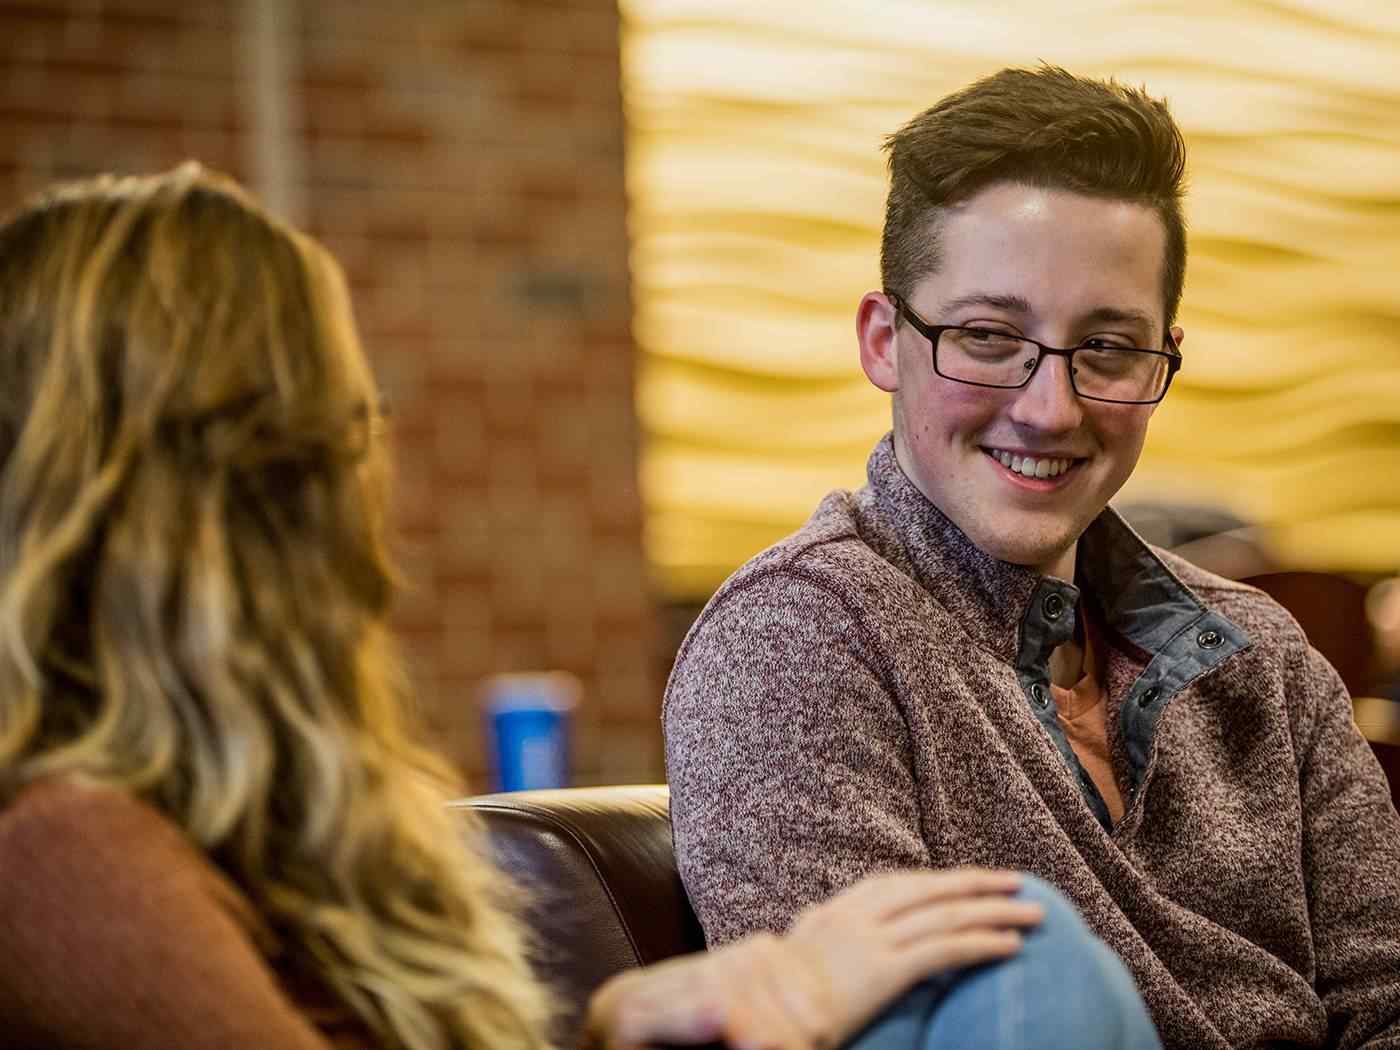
(194, 587)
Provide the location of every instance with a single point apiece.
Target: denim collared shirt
(1147, 608)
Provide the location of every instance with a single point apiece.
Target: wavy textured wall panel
(757, 188)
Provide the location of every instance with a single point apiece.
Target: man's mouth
(1029, 466)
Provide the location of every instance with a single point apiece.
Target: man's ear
(1178, 337)
(879, 347)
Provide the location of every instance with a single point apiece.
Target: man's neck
(1062, 565)
(1067, 664)
(1071, 660)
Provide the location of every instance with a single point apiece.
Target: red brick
(519, 649)
(464, 162)
(490, 29)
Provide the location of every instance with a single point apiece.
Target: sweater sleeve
(1351, 858)
(111, 935)
(789, 760)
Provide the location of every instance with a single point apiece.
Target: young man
(972, 660)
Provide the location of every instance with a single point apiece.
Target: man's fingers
(948, 917)
(885, 896)
(938, 955)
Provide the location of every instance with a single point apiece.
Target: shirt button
(1149, 696)
(1040, 696)
(1054, 606)
(1209, 639)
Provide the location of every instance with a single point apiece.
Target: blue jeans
(1064, 989)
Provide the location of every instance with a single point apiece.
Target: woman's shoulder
(48, 812)
(91, 849)
(56, 820)
(62, 831)
(119, 931)
(91, 845)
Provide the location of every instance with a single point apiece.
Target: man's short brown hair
(1044, 127)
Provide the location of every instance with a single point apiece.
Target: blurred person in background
(974, 660)
(217, 827)
(1383, 614)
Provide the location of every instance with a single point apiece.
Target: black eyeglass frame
(932, 332)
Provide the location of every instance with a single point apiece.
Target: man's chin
(1041, 554)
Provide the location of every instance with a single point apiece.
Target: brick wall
(463, 159)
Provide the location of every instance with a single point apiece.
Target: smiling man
(973, 661)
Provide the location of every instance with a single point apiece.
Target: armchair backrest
(601, 874)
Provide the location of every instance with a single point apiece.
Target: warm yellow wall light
(757, 188)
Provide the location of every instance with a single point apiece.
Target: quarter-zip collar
(1021, 616)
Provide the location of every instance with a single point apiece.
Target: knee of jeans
(1061, 917)
(1064, 939)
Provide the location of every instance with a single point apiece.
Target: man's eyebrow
(1010, 303)
(1020, 305)
(1120, 314)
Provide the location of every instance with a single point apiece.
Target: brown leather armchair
(601, 874)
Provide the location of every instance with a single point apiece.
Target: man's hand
(841, 963)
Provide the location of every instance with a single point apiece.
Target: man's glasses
(1123, 375)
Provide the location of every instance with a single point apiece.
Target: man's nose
(1048, 402)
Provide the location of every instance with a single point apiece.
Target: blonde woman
(216, 828)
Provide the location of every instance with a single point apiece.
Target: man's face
(1053, 266)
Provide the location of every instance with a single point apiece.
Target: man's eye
(1102, 343)
(985, 337)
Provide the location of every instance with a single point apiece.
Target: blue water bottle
(527, 722)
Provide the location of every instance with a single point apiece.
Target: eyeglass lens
(997, 359)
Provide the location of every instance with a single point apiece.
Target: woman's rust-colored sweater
(115, 932)
(873, 693)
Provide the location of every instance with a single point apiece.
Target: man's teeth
(1030, 467)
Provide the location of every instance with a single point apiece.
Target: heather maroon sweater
(115, 932)
(872, 693)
